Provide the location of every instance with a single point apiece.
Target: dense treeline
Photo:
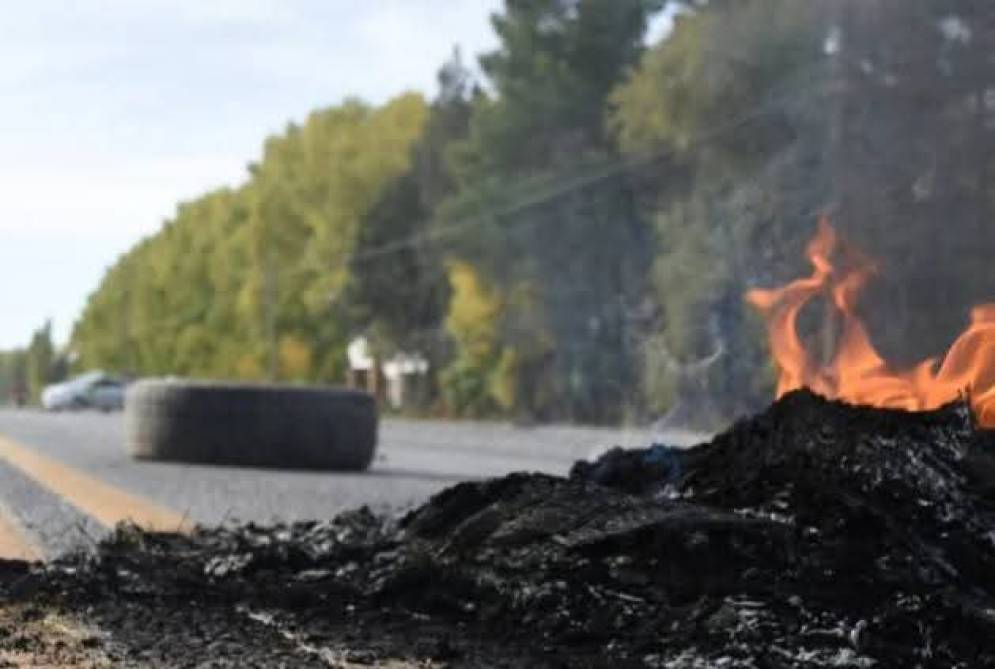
(13, 377)
(570, 237)
(25, 372)
(244, 282)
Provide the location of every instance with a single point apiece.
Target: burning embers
(855, 372)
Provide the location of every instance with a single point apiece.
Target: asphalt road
(415, 459)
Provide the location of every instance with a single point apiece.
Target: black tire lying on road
(251, 425)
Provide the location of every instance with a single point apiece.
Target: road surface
(64, 478)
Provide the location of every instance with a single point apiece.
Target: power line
(611, 170)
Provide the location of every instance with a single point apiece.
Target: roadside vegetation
(568, 233)
(25, 372)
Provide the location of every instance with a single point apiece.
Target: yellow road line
(107, 504)
(14, 542)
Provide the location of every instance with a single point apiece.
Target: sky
(113, 111)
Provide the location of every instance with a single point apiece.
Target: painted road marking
(14, 541)
(105, 503)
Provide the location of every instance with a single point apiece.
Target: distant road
(64, 476)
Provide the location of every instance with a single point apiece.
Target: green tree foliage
(24, 373)
(244, 283)
(735, 100)
(572, 238)
(774, 111)
(569, 260)
(13, 376)
(557, 62)
(398, 289)
(914, 145)
(162, 308)
(40, 358)
(471, 380)
(311, 193)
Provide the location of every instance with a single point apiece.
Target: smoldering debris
(812, 535)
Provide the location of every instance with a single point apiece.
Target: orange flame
(856, 373)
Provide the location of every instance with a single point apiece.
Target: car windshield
(84, 380)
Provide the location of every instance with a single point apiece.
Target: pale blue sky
(112, 111)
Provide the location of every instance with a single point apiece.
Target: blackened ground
(815, 534)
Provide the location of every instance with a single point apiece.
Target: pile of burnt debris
(815, 534)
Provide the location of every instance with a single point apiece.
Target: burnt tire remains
(250, 425)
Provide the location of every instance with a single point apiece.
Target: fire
(855, 372)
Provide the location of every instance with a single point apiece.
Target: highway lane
(415, 459)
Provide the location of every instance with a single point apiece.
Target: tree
(40, 361)
(246, 283)
(876, 113)
(557, 63)
(313, 190)
(915, 146)
(13, 375)
(398, 288)
(539, 184)
(734, 99)
(470, 381)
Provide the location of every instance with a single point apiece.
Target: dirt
(812, 535)
(31, 636)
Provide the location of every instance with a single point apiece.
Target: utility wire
(611, 170)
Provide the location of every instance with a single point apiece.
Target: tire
(250, 425)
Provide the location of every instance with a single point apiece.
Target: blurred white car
(93, 390)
